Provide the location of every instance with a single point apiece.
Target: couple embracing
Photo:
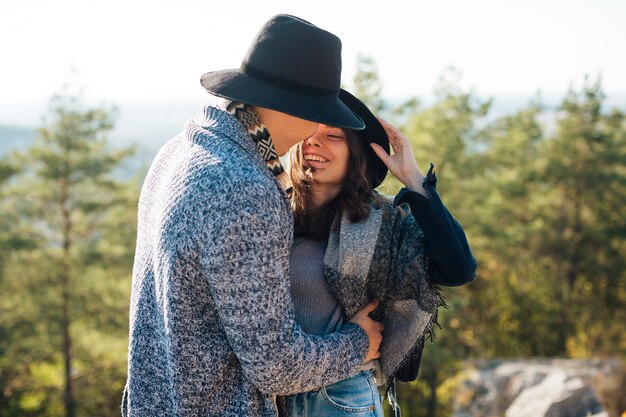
(264, 291)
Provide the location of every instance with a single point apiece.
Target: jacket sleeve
(246, 264)
(451, 259)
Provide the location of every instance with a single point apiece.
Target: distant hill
(150, 124)
(147, 124)
(15, 137)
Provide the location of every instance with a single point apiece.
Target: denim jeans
(354, 396)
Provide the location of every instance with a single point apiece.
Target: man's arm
(246, 264)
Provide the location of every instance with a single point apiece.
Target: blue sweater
(212, 330)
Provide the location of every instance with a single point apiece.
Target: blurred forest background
(540, 193)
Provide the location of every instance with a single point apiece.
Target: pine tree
(367, 84)
(74, 285)
(583, 246)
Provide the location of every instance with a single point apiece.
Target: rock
(558, 395)
(537, 388)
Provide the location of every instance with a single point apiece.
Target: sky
(139, 50)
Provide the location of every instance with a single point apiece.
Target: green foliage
(542, 208)
(367, 84)
(67, 231)
(543, 213)
(585, 171)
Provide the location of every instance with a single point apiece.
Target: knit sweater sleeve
(245, 260)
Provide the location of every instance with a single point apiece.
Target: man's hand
(373, 329)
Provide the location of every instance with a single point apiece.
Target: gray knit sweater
(212, 330)
(316, 308)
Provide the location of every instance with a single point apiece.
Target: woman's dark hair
(354, 199)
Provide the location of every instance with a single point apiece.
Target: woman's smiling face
(327, 153)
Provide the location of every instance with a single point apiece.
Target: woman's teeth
(316, 158)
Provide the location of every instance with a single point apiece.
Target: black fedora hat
(292, 66)
(374, 132)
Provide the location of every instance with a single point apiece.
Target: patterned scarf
(261, 136)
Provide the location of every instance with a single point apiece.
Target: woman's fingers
(392, 132)
(382, 154)
(371, 306)
(395, 136)
(384, 122)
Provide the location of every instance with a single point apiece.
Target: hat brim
(236, 85)
(374, 132)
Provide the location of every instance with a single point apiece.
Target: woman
(352, 245)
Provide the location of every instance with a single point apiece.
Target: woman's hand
(373, 328)
(402, 163)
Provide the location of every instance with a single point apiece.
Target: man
(212, 329)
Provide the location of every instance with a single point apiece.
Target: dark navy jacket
(451, 260)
